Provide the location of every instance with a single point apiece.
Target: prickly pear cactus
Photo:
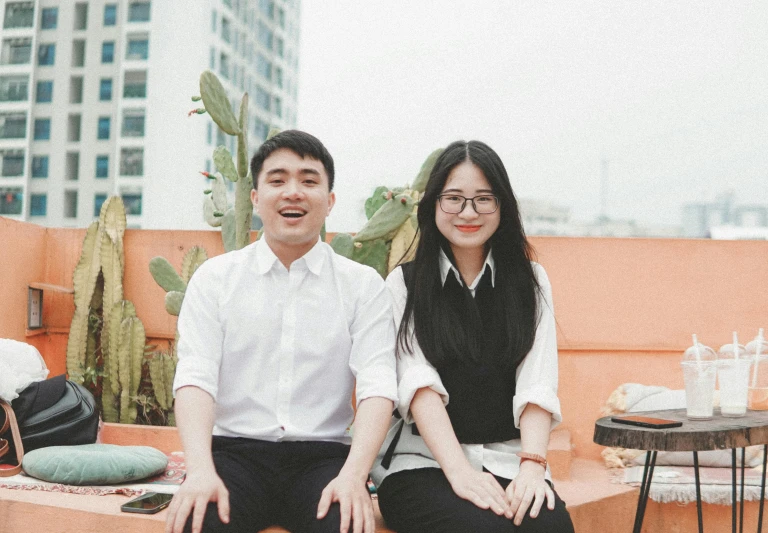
(390, 236)
(172, 283)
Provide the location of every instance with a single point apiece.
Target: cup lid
(705, 353)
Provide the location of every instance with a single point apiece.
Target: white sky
(674, 94)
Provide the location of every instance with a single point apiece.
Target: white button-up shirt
(536, 382)
(280, 350)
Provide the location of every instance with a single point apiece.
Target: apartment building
(94, 98)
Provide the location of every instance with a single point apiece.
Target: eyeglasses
(453, 204)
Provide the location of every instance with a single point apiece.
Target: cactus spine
(100, 313)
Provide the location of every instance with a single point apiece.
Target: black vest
(481, 392)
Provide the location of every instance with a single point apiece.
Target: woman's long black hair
(442, 332)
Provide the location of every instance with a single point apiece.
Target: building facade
(94, 97)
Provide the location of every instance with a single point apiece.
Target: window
(72, 167)
(265, 36)
(40, 166)
(213, 21)
(74, 123)
(281, 18)
(46, 54)
(264, 67)
(76, 90)
(98, 201)
(102, 166)
(14, 88)
(37, 205)
(262, 99)
(10, 200)
(19, 15)
(278, 105)
(209, 133)
(261, 129)
(110, 14)
(224, 65)
(78, 53)
(133, 123)
(103, 129)
(44, 93)
(81, 16)
(279, 77)
(13, 163)
(132, 202)
(49, 18)
(135, 84)
(105, 89)
(70, 204)
(17, 51)
(138, 12)
(138, 47)
(107, 51)
(267, 7)
(212, 60)
(132, 162)
(225, 30)
(13, 125)
(42, 129)
(279, 46)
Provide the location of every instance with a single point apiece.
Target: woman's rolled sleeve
(200, 334)
(537, 374)
(417, 375)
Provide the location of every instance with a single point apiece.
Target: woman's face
(467, 230)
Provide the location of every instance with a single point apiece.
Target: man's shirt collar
(266, 258)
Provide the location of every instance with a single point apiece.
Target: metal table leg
(698, 490)
(645, 490)
(762, 491)
(733, 490)
(741, 503)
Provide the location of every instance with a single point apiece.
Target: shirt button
(282, 428)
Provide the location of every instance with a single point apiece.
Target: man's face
(292, 199)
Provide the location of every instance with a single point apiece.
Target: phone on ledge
(646, 422)
(149, 503)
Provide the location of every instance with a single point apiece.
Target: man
(273, 338)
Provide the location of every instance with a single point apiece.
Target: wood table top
(719, 433)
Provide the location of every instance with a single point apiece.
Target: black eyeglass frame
(464, 203)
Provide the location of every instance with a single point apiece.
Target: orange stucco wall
(625, 307)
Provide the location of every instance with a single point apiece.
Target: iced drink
(699, 388)
(733, 376)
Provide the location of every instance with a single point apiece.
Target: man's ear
(331, 202)
(255, 199)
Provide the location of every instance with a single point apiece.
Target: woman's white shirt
(536, 383)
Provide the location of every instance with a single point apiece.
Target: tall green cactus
(96, 340)
(390, 235)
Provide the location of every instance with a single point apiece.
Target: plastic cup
(699, 377)
(757, 352)
(733, 376)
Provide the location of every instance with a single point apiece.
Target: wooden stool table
(695, 436)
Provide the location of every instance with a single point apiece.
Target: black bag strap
(387, 459)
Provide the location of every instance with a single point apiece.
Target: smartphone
(149, 503)
(646, 422)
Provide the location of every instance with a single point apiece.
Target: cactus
(96, 340)
(391, 234)
(162, 368)
(174, 284)
(235, 221)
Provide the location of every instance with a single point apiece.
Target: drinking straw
(696, 350)
(757, 357)
(735, 346)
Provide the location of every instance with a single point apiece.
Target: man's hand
(354, 500)
(193, 496)
(528, 489)
(480, 488)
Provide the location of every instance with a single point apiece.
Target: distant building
(545, 218)
(93, 98)
(723, 218)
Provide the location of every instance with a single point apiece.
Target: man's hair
(302, 143)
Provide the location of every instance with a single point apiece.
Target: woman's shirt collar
(446, 266)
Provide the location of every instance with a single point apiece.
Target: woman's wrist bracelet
(535, 457)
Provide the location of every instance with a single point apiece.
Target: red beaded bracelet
(535, 457)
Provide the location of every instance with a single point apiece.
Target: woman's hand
(528, 489)
(480, 488)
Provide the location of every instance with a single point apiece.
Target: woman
(476, 326)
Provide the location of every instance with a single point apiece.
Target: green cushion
(94, 464)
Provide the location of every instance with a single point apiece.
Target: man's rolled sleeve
(537, 374)
(372, 359)
(200, 334)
